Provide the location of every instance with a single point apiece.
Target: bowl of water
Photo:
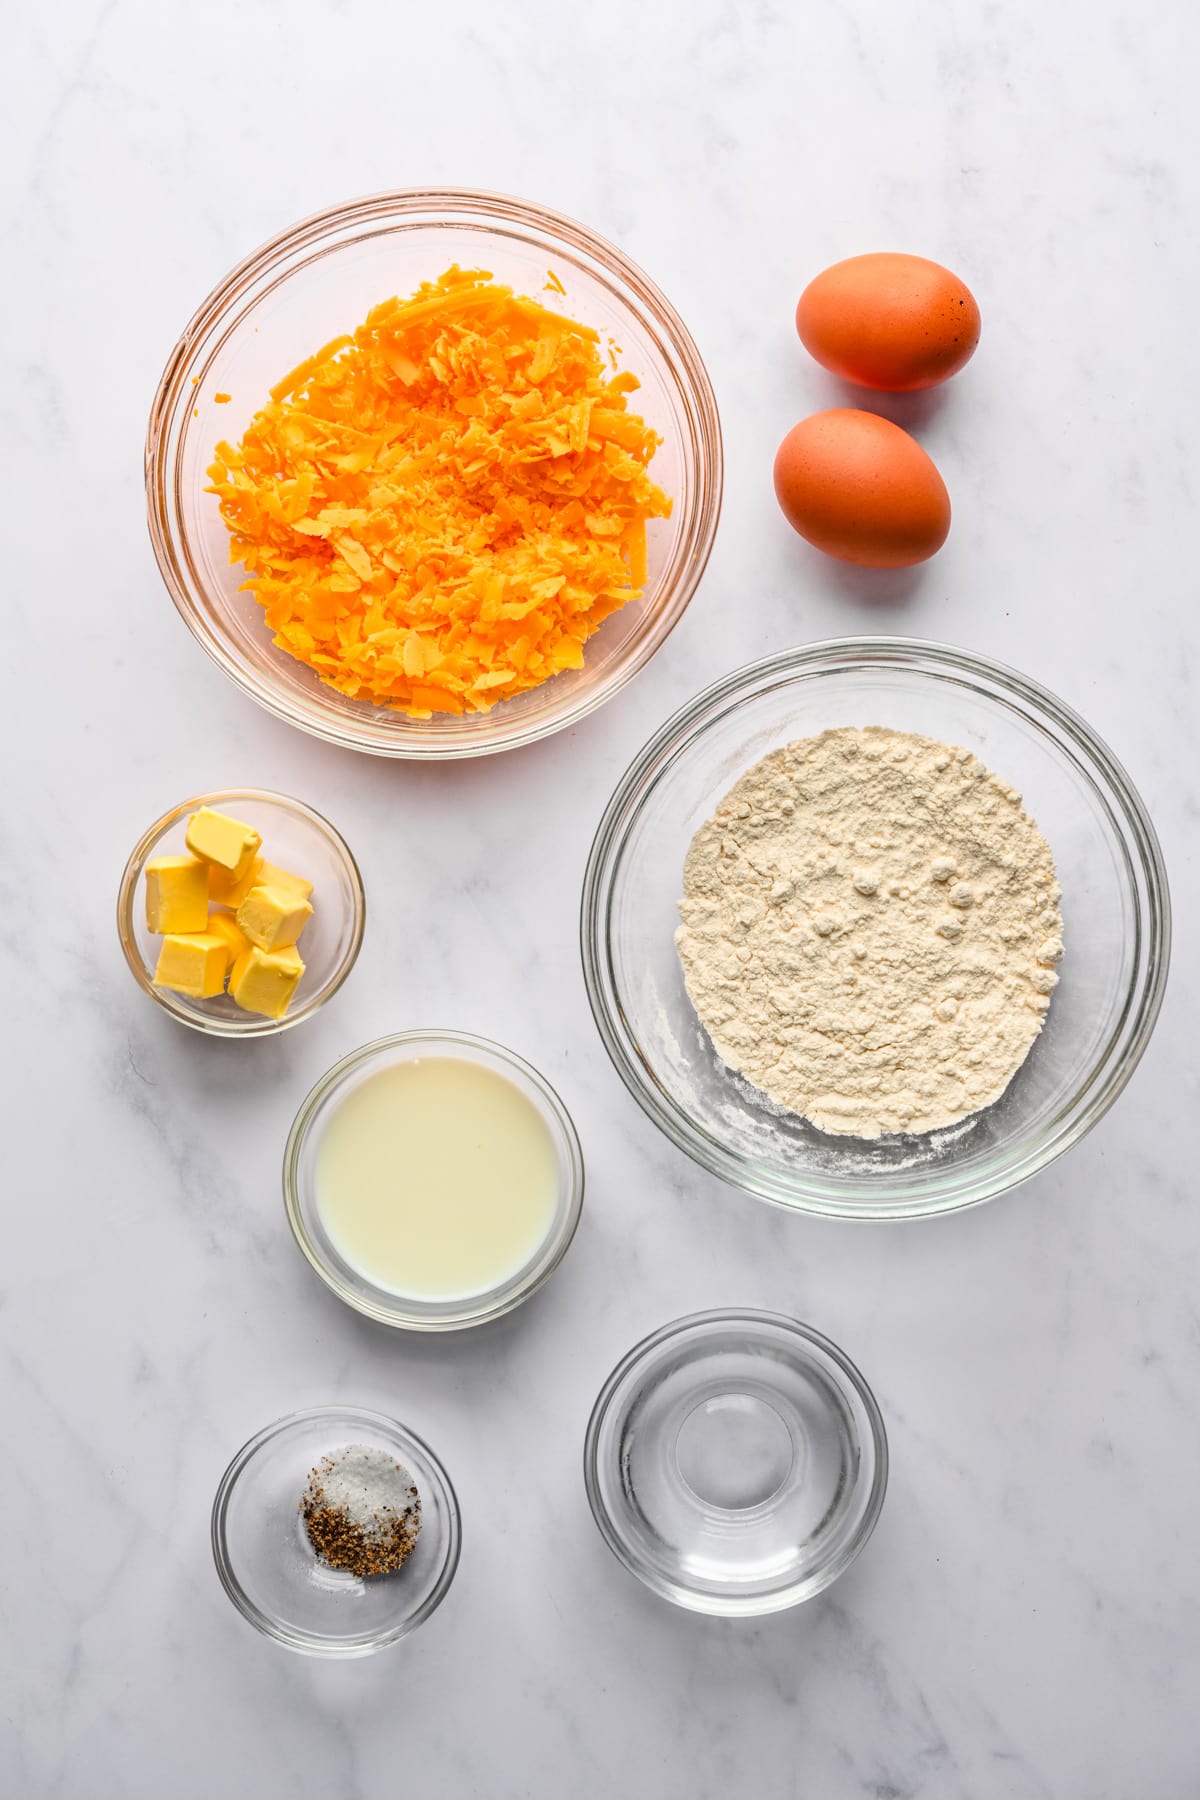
(736, 1462)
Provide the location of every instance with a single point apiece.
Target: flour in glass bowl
(870, 930)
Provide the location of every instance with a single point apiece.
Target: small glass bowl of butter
(300, 881)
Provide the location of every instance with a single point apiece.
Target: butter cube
(273, 917)
(225, 890)
(263, 981)
(224, 926)
(176, 894)
(222, 840)
(272, 876)
(193, 963)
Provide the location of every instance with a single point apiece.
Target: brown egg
(861, 489)
(889, 321)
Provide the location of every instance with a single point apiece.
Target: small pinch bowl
(268, 1567)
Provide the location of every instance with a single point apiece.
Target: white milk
(436, 1178)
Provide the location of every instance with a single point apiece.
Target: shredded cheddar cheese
(437, 512)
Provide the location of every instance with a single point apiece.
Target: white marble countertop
(1025, 1622)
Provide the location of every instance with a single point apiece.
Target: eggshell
(889, 321)
(861, 489)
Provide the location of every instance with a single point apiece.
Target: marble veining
(1025, 1624)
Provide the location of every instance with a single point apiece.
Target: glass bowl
(320, 278)
(1115, 907)
(294, 837)
(410, 1312)
(268, 1567)
(736, 1462)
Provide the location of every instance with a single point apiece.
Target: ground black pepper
(362, 1511)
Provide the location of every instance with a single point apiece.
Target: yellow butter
(224, 890)
(226, 927)
(263, 981)
(272, 876)
(176, 894)
(193, 963)
(219, 839)
(273, 917)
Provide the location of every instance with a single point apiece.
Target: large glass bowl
(320, 278)
(1115, 905)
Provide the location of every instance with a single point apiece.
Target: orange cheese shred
(438, 511)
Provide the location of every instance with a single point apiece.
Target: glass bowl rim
(254, 1027)
(757, 1605)
(388, 1310)
(308, 1644)
(691, 379)
(994, 681)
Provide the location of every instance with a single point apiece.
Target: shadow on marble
(454, 1356)
(704, 1642)
(912, 412)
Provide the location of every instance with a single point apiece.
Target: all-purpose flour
(870, 931)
